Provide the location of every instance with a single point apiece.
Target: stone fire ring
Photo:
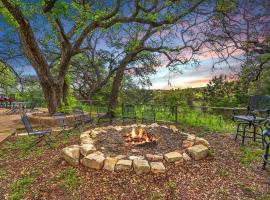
(195, 148)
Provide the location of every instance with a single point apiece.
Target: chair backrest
(60, 119)
(26, 123)
(259, 103)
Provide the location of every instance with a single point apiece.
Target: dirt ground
(8, 124)
(221, 176)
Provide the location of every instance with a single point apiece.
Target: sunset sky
(191, 76)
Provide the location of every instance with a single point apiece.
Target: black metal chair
(42, 135)
(128, 113)
(149, 114)
(80, 117)
(266, 144)
(257, 112)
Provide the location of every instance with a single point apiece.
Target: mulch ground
(221, 176)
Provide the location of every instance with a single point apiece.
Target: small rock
(173, 156)
(94, 160)
(186, 157)
(154, 157)
(202, 141)
(123, 165)
(141, 166)
(102, 148)
(110, 163)
(157, 167)
(198, 152)
(136, 157)
(187, 143)
(86, 149)
(71, 154)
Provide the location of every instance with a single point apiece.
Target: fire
(139, 136)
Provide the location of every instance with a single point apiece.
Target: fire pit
(138, 148)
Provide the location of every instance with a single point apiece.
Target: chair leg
(36, 141)
(244, 134)
(48, 142)
(254, 133)
(266, 156)
(237, 131)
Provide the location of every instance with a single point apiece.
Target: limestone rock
(141, 166)
(173, 157)
(94, 160)
(100, 130)
(154, 157)
(136, 157)
(118, 128)
(85, 138)
(110, 163)
(191, 137)
(85, 134)
(173, 128)
(198, 152)
(123, 165)
(157, 167)
(119, 157)
(135, 151)
(154, 125)
(186, 157)
(71, 154)
(202, 141)
(187, 144)
(86, 149)
(94, 134)
(87, 141)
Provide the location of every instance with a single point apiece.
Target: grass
(22, 142)
(155, 196)
(2, 154)
(222, 172)
(223, 191)
(18, 188)
(186, 117)
(171, 186)
(2, 173)
(68, 179)
(248, 156)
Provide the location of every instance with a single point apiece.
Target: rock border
(195, 148)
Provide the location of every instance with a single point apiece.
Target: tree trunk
(115, 91)
(54, 93)
(117, 83)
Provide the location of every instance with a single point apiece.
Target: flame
(140, 136)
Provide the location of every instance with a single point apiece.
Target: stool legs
(243, 132)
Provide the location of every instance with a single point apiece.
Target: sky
(191, 76)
